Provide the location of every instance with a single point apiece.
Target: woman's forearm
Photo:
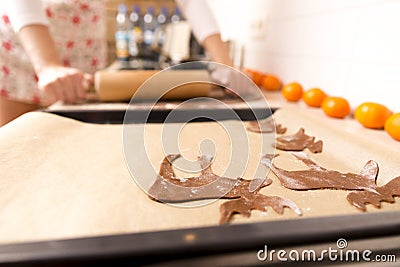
(39, 45)
(58, 82)
(218, 50)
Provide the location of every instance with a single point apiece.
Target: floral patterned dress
(78, 29)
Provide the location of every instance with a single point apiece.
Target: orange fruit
(336, 107)
(392, 126)
(270, 83)
(257, 77)
(292, 91)
(314, 97)
(372, 115)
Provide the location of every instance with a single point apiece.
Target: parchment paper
(64, 179)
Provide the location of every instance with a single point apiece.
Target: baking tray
(227, 245)
(205, 245)
(114, 113)
(159, 116)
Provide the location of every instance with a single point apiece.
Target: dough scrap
(298, 142)
(266, 126)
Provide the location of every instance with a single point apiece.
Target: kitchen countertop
(347, 124)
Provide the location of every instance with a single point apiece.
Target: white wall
(349, 48)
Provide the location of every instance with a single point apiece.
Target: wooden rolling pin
(121, 85)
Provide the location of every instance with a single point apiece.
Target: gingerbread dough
(384, 193)
(298, 142)
(266, 126)
(317, 177)
(169, 188)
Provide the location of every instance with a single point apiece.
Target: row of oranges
(369, 114)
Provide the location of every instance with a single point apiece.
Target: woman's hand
(235, 82)
(63, 83)
(56, 81)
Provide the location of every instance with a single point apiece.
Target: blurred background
(347, 47)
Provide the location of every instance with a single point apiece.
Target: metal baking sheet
(204, 244)
(113, 113)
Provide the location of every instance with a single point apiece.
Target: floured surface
(62, 179)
